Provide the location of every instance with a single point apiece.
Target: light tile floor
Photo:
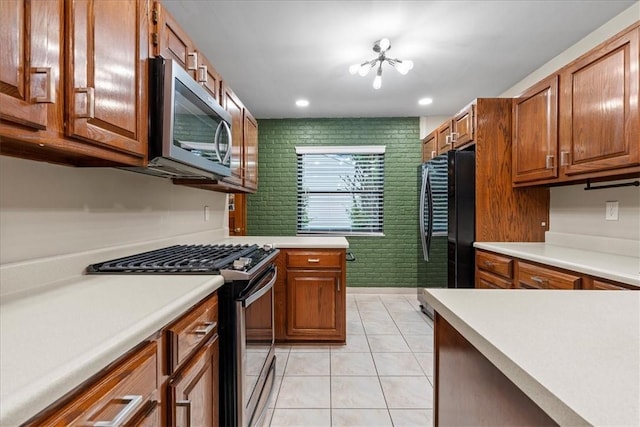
(383, 376)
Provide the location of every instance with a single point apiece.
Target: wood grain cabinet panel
(495, 264)
(170, 41)
(443, 140)
(602, 285)
(311, 259)
(599, 115)
(193, 390)
(535, 132)
(250, 149)
(127, 392)
(486, 280)
(532, 276)
(429, 150)
(234, 106)
(105, 85)
(30, 61)
(463, 131)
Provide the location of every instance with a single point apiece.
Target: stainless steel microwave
(189, 132)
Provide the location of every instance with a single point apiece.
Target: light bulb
(403, 67)
(384, 44)
(364, 68)
(377, 82)
(354, 68)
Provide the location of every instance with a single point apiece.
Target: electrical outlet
(611, 213)
(206, 213)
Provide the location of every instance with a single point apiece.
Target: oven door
(255, 346)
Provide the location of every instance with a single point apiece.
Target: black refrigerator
(447, 223)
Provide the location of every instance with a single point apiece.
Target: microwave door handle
(216, 139)
(228, 153)
(423, 231)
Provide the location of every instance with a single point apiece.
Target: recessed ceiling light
(425, 101)
(302, 103)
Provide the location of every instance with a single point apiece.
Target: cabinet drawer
(124, 394)
(191, 330)
(486, 280)
(496, 264)
(315, 259)
(536, 277)
(608, 286)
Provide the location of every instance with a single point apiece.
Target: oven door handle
(261, 290)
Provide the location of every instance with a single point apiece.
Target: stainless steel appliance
(447, 223)
(247, 357)
(189, 132)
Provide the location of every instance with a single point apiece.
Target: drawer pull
(338, 285)
(489, 264)
(209, 326)
(187, 405)
(124, 414)
(314, 260)
(539, 280)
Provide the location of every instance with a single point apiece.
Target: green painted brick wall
(394, 260)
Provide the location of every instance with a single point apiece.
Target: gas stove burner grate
(178, 259)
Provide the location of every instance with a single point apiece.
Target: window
(340, 190)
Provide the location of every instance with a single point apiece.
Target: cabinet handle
(187, 405)
(90, 112)
(549, 161)
(338, 285)
(314, 260)
(48, 97)
(564, 158)
(433, 154)
(454, 136)
(202, 74)
(447, 140)
(192, 61)
(539, 280)
(209, 326)
(124, 414)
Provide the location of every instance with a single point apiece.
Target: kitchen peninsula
(558, 357)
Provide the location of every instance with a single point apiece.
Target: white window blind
(340, 190)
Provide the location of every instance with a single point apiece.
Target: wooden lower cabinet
(193, 391)
(470, 390)
(310, 296)
(127, 393)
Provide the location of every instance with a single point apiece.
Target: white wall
(429, 123)
(572, 209)
(48, 210)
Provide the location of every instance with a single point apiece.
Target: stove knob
(267, 247)
(238, 264)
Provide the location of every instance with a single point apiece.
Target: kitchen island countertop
(576, 354)
(56, 338)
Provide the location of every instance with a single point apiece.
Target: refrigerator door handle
(425, 191)
(431, 213)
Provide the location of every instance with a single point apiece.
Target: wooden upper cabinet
(209, 78)
(171, 42)
(429, 146)
(250, 151)
(535, 132)
(463, 131)
(106, 74)
(443, 140)
(233, 105)
(30, 61)
(599, 117)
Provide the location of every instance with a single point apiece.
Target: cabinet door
(463, 127)
(208, 77)
(105, 74)
(535, 132)
(314, 304)
(171, 42)
(232, 104)
(30, 60)
(193, 391)
(429, 146)
(250, 151)
(444, 137)
(599, 114)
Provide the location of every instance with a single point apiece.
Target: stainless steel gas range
(247, 358)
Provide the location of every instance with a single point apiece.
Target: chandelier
(381, 47)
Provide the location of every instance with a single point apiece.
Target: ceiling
(274, 52)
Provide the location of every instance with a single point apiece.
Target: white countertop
(283, 242)
(619, 268)
(54, 339)
(576, 354)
